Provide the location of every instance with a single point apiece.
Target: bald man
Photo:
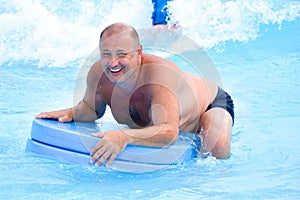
(152, 96)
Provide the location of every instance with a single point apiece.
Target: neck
(128, 85)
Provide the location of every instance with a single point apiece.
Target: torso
(133, 108)
(127, 108)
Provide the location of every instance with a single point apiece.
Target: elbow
(171, 133)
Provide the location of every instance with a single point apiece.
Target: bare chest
(130, 108)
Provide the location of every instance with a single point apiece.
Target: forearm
(83, 112)
(161, 135)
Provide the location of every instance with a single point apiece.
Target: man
(152, 96)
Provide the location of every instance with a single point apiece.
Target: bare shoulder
(96, 67)
(167, 72)
(153, 59)
(94, 72)
(158, 66)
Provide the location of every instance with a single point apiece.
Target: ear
(140, 50)
(140, 53)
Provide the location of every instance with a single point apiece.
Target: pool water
(259, 65)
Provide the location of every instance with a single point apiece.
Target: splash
(212, 23)
(64, 33)
(60, 33)
(33, 32)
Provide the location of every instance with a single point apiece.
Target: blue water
(258, 61)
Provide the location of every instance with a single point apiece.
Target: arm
(85, 110)
(164, 131)
(67, 115)
(165, 117)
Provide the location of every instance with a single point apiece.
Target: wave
(63, 33)
(211, 23)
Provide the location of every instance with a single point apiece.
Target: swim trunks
(160, 14)
(223, 100)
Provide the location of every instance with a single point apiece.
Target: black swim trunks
(223, 100)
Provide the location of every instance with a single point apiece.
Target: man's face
(120, 57)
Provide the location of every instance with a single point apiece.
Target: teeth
(114, 70)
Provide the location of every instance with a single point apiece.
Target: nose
(114, 61)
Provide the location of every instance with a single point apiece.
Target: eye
(106, 54)
(121, 54)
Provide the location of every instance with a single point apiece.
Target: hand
(61, 115)
(111, 144)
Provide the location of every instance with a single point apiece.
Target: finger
(96, 148)
(65, 118)
(39, 116)
(103, 158)
(98, 134)
(47, 115)
(42, 115)
(111, 159)
(97, 155)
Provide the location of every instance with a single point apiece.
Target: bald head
(119, 28)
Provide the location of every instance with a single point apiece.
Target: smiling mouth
(115, 69)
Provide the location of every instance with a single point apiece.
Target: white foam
(33, 33)
(213, 22)
(63, 33)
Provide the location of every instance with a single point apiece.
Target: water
(255, 47)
